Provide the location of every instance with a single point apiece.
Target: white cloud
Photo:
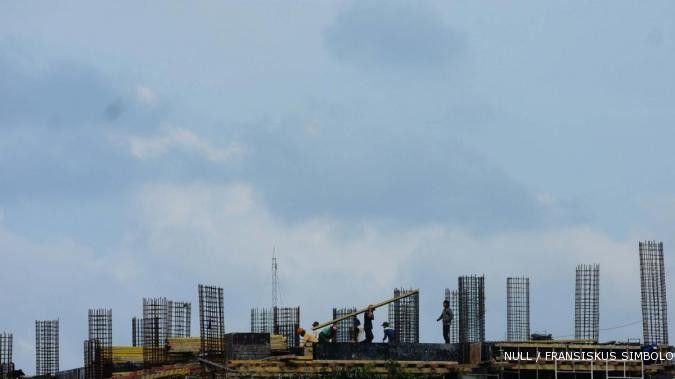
(146, 96)
(180, 139)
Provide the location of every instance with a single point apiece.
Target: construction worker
(328, 334)
(307, 338)
(368, 318)
(389, 333)
(358, 333)
(446, 316)
(314, 332)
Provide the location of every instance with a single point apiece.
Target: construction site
(163, 345)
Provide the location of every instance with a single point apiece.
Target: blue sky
(145, 149)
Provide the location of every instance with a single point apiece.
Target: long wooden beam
(375, 306)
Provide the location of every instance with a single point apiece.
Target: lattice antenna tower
(275, 280)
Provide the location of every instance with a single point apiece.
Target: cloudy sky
(145, 149)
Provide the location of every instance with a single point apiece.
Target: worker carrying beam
(368, 318)
(370, 308)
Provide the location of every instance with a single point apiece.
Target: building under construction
(163, 347)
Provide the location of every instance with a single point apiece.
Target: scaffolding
(156, 329)
(136, 331)
(471, 307)
(404, 316)
(6, 363)
(98, 348)
(653, 293)
(179, 318)
(587, 302)
(518, 309)
(286, 321)
(261, 320)
(212, 322)
(46, 347)
(453, 298)
(346, 329)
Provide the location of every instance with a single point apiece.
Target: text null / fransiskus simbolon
(589, 356)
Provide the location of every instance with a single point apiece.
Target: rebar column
(212, 322)
(471, 306)
(346, 329)
(262, 320)
(136, 331)
(6, 363)
(587, 302)
(180, 316)
(404, 316)
(46, 347)
(99, 344)
(453, 298)
(518, 309)
(653, 293)
(156, 329)
(93, 364)
(286, 321)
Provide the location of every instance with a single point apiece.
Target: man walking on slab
(446, 316)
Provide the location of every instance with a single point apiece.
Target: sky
(146, 148)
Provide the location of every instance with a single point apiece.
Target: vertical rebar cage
(653, 293)
(6, 364)
(453, 298)
(346, 329)
(471, 306)
(286, 321)
(98, 349)
(46, 347)
(404, 316)
(212, 321)
(93, 363)
(261, 320)
(587, 302)
(179, 317)
(518, 309)
(156, 329)
(137, 331)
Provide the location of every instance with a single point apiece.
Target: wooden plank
(375, 306)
